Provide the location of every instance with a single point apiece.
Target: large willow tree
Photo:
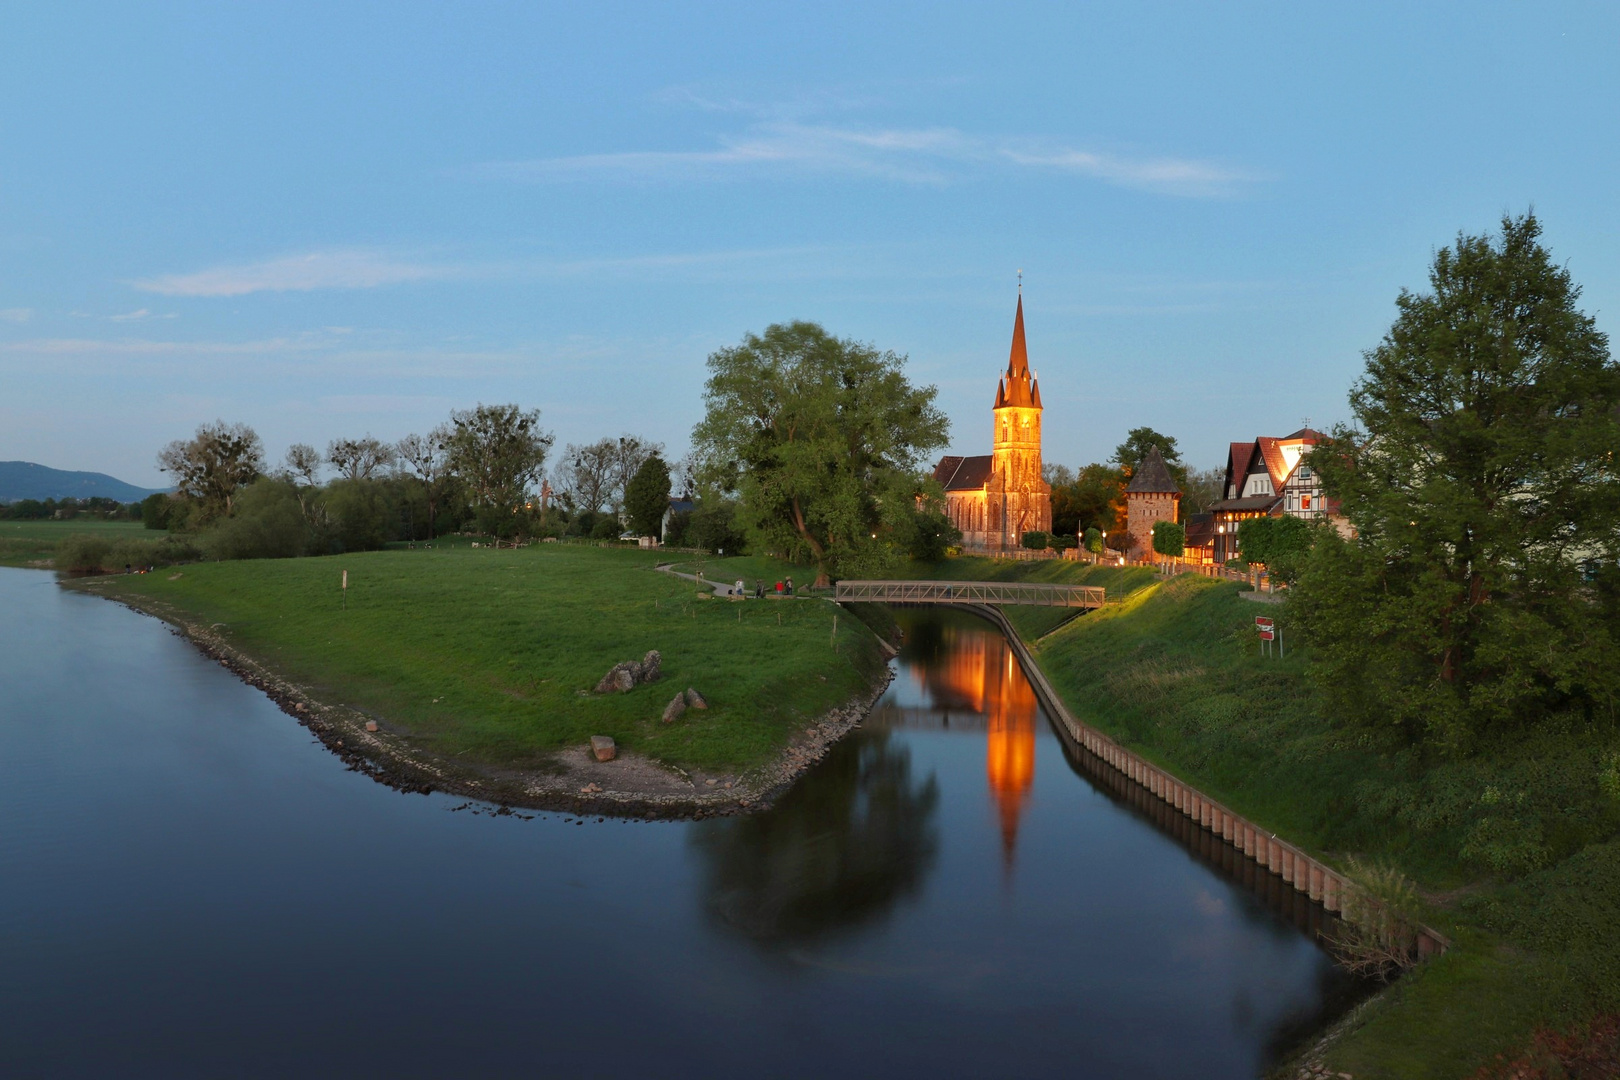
(1480, 588)
(822, 438)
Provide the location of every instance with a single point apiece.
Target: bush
(1094, 541)
(268, 523)
(156, 511)
(714, 527)
(362, 515)
(1037, 540)
(95, 554)
(606, 528)
(931, 535)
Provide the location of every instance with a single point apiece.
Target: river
(191, 885)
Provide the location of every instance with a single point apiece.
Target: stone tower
(1152, 495)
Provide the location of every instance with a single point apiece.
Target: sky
(331, 220)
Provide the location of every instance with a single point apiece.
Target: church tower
(1016, 442)
(996, 498)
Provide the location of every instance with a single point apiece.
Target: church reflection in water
(976, 672)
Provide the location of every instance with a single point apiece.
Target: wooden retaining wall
(1296, 868)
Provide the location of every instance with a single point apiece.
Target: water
(189, 885)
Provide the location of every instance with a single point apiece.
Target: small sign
(1262, 623)
(1267, 635)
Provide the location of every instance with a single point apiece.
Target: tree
(155, 510)
(1095, 498)
(1138, 441)
(359, 459)
(646, 496)
(1201, 489)
(210, 468)
(821, 437)
(629, 453)
(1094, 541)
(424, 456)
(303, 465)
(584, 476)
(1280, 544)
(1480, 482)
(1169, 539)
(497, 452)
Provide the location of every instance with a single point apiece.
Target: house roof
(1247, 504)
(1237, 463)
(1276, 465)
(963, 473)
(1152, 476)
(1200, 530)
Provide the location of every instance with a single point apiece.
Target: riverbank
(1513, 851)
(477, 670)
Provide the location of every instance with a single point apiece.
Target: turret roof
(1152, 476)
(1017, 388)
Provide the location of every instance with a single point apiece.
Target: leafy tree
(646, 496)
(497, 452)
(822, 438)
(1094, 541)
(1481, 480)
(1095, 498)
(1280, 544)
(1138, 441)
(268, 524)
(932, 535)
(714, 526)
(209, 468)
(1036, 540)
(1169, 539)
(1200, 489)
(629, 453)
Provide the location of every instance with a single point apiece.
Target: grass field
(1516, 848)
(490, 655)
(31, 543)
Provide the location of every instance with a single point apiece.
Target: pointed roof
(1152, 476)
(1017, 388)
(1018, 359)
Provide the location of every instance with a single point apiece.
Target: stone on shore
(603, 747)
(695, 700)
(371, 725)
(676, 706)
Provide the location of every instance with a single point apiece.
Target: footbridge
(1085, 597)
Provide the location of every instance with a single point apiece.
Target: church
(996, 498)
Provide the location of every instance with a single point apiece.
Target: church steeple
(1017, 388)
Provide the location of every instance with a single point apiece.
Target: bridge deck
(970, 592)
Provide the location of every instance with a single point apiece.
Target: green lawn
(489, 655)
(25, 543)
(1515, 848)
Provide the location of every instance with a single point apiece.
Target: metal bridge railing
(970, 592)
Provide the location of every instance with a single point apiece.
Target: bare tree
(584, 475)
(210, 468)
(303, 464)
(359, 459)
(630, 453)
(425, 457)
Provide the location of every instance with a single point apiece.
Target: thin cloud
(908, 155)
(296, 273)
(17, 315)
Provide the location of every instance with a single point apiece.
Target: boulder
(676, 706)
(603, 747)
(371, 725)
(631, 673)
(695, 700)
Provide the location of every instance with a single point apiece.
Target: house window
(1304, 502)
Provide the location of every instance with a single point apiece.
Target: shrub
(268, 524)
(1037, 540)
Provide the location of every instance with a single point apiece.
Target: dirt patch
(631, 785)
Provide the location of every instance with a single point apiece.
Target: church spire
(1018, 361)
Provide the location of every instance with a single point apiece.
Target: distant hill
(25, 480)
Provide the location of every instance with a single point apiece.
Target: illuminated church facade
(995, 498)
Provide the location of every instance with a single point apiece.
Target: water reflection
(831, 854)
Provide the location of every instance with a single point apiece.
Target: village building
(995, 498)
(1266, 477)
(1152, 495)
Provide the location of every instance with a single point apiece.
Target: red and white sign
(1262, 623)
(1267, 635)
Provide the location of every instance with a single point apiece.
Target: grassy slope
(483, 653)
(25, 543)
(1174, 672)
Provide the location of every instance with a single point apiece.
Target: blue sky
(329, 220)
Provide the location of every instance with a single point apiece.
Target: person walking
(790, 586)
